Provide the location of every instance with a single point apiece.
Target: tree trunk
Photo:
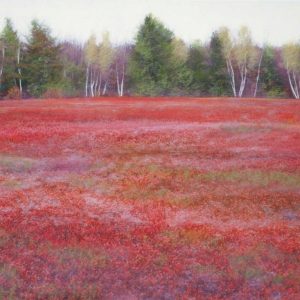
(118, 82)
(2, 63)
(104, 88)
(230, 71)
(86, 81)
(296, 85)
(291, 84)
(92, 83)
(122, 81)
(99, 86)
(258, 73)
(19, 71)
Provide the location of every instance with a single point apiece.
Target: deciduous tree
(10, 69)
(291, 58)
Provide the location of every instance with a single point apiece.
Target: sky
(274, 22)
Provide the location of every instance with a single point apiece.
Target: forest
(157, 63)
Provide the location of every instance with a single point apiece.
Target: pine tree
(42, 68)
(271, 82)
(218, 79)
(197, 64)
(151, 64)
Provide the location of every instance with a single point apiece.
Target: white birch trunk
(99, 85)
(231, 75)
(96, 85)
(92, 83)
(2, 63)
(296, 85)
(87, 81)
(118, 82)
(104, 89)
(258, 73)
(291, 84)
(243, 72)
(122, 82)
(19, 71)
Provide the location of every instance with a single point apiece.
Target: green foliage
(10, 42)
(196, 63)
(271, 82)
(160, 64)
(218, 78)
(151, 63)
(73, 78)
(42, 63)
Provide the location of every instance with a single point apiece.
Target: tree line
(158, 63)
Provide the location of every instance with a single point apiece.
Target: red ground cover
(150, 199)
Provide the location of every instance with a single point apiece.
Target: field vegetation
(134, 198)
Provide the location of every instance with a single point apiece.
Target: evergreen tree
(218, 80)
(272, 84)
(151, 64)
(196, 63)
(181, 75)
(10, 72)
(42, 68)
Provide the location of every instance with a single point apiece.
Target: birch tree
(10, 68)
(258, 70)
(105, 61)
(241, 57)
(121, 61)
(99, 59)
(92, 70)
(245, 55)
(291, 59)
(228, 52)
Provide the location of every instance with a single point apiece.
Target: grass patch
(253, 177)
(11, 184)
(15, 163)
(185, 186)
(242, 129)
(82, 256)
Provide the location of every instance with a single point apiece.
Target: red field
(150, 199)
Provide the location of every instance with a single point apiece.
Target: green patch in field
(73, 291)
(161, 260)
(83, 182)
(208, 270)
(82, 256)
(15, 163)
(94, 183)
(242, 129)
(11, 184)
(4, 238)
(98, 165)
(245, 266)
(7, 272)
(9, 276)
(278, 279)
(253, 177)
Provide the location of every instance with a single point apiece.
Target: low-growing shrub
(14, 93)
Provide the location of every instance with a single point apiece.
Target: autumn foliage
(148, 198)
